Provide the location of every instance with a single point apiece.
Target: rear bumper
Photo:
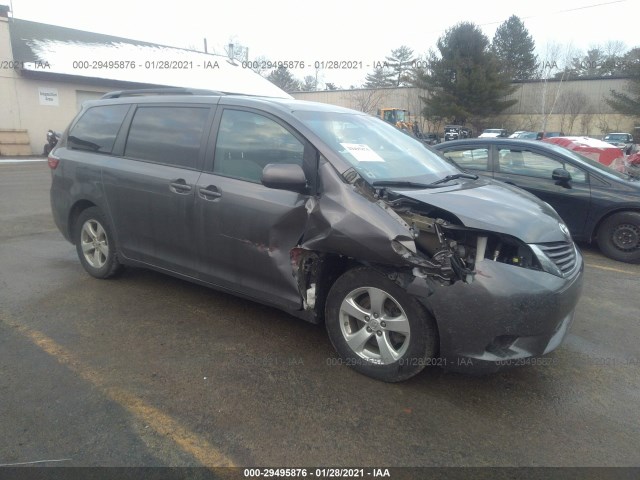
(60, 207)
(508, 316)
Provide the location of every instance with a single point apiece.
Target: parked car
(596, 202)
(551, 134)
(456, 132)
(527, 135)
(493, 132)
(326, 213)
(430, 138)
(624, 141)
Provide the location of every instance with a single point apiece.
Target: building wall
(592, 116)
(22, 106)
(9, 109)
(37, 117)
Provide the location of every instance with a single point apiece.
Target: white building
(46, 72)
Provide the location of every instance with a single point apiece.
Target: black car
(456, 132)
(596, 202)
(430, 138)
(326, 213)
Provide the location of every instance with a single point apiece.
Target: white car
(493, 132)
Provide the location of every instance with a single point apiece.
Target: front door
(246, 230)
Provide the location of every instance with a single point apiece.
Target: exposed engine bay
(444, 249)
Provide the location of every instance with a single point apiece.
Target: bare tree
(365, 100)
(531, 122)
(585, 122)
(555, 63)
(602, 122)
(614, 48)
(570, 105)
(259, 65)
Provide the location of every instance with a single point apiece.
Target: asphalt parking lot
(147, 370)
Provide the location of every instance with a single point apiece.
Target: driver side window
(247, 142)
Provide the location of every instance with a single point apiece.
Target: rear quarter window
(470, 159)
(98, 128)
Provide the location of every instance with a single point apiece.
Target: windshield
(528, 135)
(603, 168)
(451, 129)
(616, 137)
(376, 150)
(492, 130)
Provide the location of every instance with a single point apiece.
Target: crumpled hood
(494, 206)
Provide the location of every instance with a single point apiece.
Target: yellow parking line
(161, 423)
(611, 269)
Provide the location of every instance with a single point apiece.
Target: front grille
(562, 254)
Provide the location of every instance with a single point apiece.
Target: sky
(356, 31)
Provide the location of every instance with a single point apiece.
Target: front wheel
(619, 237)
(95, 244)
(377, 328)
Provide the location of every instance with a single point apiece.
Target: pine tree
(310, 84)
(514, 48)
(381, 77)
(629, 103)
(400, 62)
(463, 78)
(281, 77)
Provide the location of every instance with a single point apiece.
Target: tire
(95, 244)
(619, 237)
(358, 334)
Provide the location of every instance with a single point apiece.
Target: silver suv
(624, 141)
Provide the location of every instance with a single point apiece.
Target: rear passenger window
(168, 135)
(247, 142)
(531, 164)
(97, 128)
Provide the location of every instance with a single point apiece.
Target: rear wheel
(619, 237)
(377, 328)
(95, 244)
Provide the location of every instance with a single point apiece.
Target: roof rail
(160, 91)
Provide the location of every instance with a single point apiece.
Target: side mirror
(284, 176)
(561, 175)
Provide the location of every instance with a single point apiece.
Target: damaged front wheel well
(316, 272)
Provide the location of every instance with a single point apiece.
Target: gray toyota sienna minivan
(326, 213)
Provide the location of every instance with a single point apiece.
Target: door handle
(209, 193)
(179, 186)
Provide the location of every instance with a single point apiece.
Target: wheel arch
(326, 268)
(593, 234)
(75, 211)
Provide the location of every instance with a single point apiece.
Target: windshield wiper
(401, 183)
(453, 177)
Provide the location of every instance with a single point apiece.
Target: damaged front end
(420, 246)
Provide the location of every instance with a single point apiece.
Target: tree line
(467, 77)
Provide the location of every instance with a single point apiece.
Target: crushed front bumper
(508, 316)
